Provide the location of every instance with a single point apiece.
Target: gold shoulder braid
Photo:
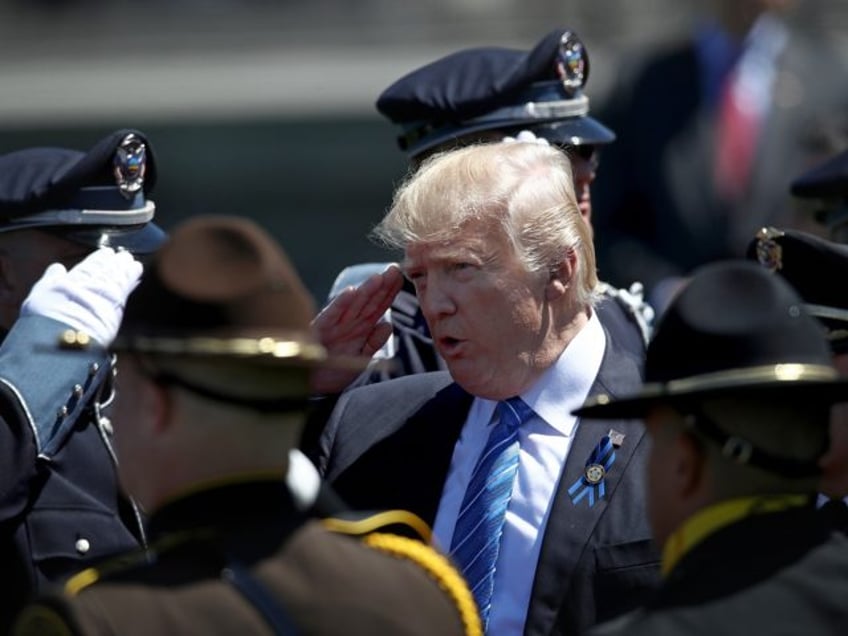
(371, 523)
(438, 567)
(435, 564)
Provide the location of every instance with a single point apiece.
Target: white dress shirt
(545, 441)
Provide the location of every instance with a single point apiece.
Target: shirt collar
(566, 384)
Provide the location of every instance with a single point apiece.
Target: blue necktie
(477, 535)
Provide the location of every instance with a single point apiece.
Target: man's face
(488, 316)
(835, 462)
(131, 417)
(584, 166)
(662, 431)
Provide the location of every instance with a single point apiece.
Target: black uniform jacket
(776, 573)
(60, 505)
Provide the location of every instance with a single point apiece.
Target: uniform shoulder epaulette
(438, 567)
(632, 301)
(376, 532)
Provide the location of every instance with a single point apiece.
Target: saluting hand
(351, 325)
(89, 297)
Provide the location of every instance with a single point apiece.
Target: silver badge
(130, 165)
(616, 438)
(572, 62)
(769, 251)
(595, 473)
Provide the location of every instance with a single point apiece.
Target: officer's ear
(158, 398)
(690, 464)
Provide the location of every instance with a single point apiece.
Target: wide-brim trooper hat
(97, 198)
(816, 268)
(492, 88)
(734, 330)
(828, 182)
(222, 288)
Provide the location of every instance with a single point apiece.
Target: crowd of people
(482, 438)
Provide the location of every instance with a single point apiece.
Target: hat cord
(742, 451)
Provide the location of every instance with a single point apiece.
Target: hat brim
(780, 383)
(579, 131)
(139, 240)
(571, 131)
(264, 350)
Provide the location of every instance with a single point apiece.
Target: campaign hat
(221, 287)
(733, 330)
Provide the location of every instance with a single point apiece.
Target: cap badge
(769, 251)
(590, 485)
(130, 165)
(572, 63)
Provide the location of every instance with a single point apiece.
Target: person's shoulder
(59, 612)
(417, 384)
(387, 556)
(626, 314)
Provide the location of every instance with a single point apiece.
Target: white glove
(527, 136)
(89, 297)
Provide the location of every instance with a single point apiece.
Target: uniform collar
(713, 518)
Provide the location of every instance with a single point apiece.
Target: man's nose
(435, 299)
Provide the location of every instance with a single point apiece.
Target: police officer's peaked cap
(745, 333)
(97, 198)
(816, 268)
(491, 88)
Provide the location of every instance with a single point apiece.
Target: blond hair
(526, 187)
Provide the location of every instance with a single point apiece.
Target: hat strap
(742, 451)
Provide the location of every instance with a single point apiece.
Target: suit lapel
(570, 526)
(408, 466)
(428, 457)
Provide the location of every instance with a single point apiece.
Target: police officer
(487, 94)
(60, 506)
(215, 351)
(814, 266)
(738, 428)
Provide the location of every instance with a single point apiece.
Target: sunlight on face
(486, 312)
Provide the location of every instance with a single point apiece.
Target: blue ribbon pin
(591, 482)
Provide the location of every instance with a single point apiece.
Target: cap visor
(575, 132)
(138, 240)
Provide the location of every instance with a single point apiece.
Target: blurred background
(266, 109)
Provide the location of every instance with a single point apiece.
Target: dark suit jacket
(748, 578)
(389, 445)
